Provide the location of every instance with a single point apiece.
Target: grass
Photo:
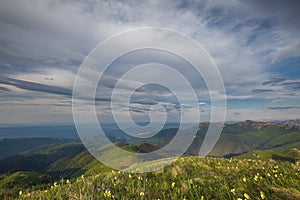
(187, 178)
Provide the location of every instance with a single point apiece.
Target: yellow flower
(268, 174)
(20, 192)
(233, 191)
(55, 184)
(130, 176)
(140, 178)
(68, 181)
(107, 193)
(247, 196)
(112, 171)
(142, 194)
(82, 176)
(262, 195)
(244, 179)
(202, 197)
(173, 184)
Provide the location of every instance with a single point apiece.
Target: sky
(255, 45)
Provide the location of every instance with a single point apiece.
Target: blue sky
(255, 45)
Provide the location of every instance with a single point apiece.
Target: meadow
(188, 178)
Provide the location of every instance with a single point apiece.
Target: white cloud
(50, 38)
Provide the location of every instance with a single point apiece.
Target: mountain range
(27, 162)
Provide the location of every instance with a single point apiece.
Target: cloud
(4, 89)
(274, 81)
(285, 12)
(32, 86)
(294, 84)
(284, 107)
(262, 90)
(42, 45)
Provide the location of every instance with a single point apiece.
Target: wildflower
(112, 171)
(256, 178)
(68, 181)
(130, 176)
(262, 195)
(247, 196)
(82, 176)
(142, 194)
(55, 184)
(233, 191)
(107, 193)
(202, 197)
(140, 178)
(276, 175)
(20, 192)
(244, 179)
(276, 167)
(268, 174)
(239, 199)
(173, 184)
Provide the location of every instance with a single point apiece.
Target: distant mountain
(238, 138)
(51, 159)
(60, 131)
(10, 147)
(288, 121)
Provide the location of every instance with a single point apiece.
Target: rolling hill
(47, 160)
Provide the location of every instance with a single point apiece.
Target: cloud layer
(43, 43)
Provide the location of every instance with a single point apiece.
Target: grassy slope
(189, 178)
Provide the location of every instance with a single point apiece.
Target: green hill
(255, 145)
(187, 178)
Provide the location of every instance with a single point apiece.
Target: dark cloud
(4, 89)
(32, 86)
(137, 110)
(39, 87)
(286, 12)
(262, 90)
(294, 84)
(284, 107)
(144, 102)
(273, 81)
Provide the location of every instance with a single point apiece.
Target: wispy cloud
(43, 44)
(284, 107)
